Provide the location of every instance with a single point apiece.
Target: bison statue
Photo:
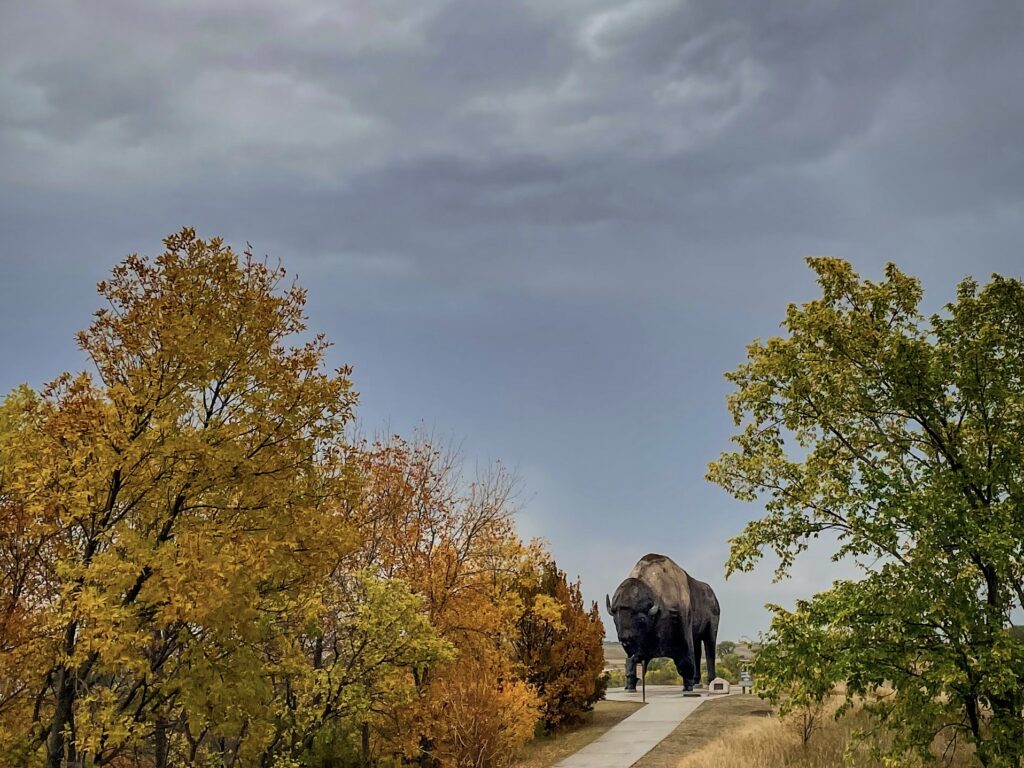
(662, 611)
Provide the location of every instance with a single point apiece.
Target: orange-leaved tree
(454, 543)
(559, 645)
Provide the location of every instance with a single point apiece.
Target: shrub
(614, 678)
(559, 646)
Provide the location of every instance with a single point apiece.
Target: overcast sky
(544, 229)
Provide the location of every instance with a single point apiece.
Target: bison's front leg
(631, 677)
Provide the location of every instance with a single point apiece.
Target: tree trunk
(61, 718)
(426, 759)
(973, 719)
(160, 746)
(1007, 735)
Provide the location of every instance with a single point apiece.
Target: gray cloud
(548, 227)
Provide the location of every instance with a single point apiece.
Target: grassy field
(545, 751)
(736, 738)
(614, 656)
(732, 732)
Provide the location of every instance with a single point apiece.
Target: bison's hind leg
(685, 669)
(710, 647)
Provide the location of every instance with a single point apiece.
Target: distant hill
(612, 650)
(614, 656)
(746, 651)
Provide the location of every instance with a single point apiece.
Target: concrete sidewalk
(624, 744)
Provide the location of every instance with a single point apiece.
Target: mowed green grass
(545, 751)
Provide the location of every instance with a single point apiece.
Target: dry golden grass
(713, 717)
(772, 742)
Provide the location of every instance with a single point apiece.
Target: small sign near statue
(746, 682)
(718, 686)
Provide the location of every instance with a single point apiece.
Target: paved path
(624, 744)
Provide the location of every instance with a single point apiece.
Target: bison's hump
(652, 558)
(666, 579)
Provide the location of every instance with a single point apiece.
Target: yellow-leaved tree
(198, 569)
(173, 525)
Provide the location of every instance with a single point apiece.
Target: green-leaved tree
(902, 436)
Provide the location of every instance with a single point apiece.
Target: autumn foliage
(559, 646)
(199, 567)
(454, 543)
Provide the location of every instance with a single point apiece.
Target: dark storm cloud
(652, 111)
(547, 226)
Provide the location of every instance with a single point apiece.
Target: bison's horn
(654, 609)
(608, 603)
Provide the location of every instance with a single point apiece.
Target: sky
(542, 229)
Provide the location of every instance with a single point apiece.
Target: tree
(725, 648)
(455, 544)
(479, 712)
(359, 662)
(167, 521)
(902, 438)
(799, 670)
(559, 645)
(28, 557)
(662, 671)
(729, 667)
(198, 568)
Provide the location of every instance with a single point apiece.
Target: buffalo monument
(661, 611)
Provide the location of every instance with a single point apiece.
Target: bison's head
(635, 610)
